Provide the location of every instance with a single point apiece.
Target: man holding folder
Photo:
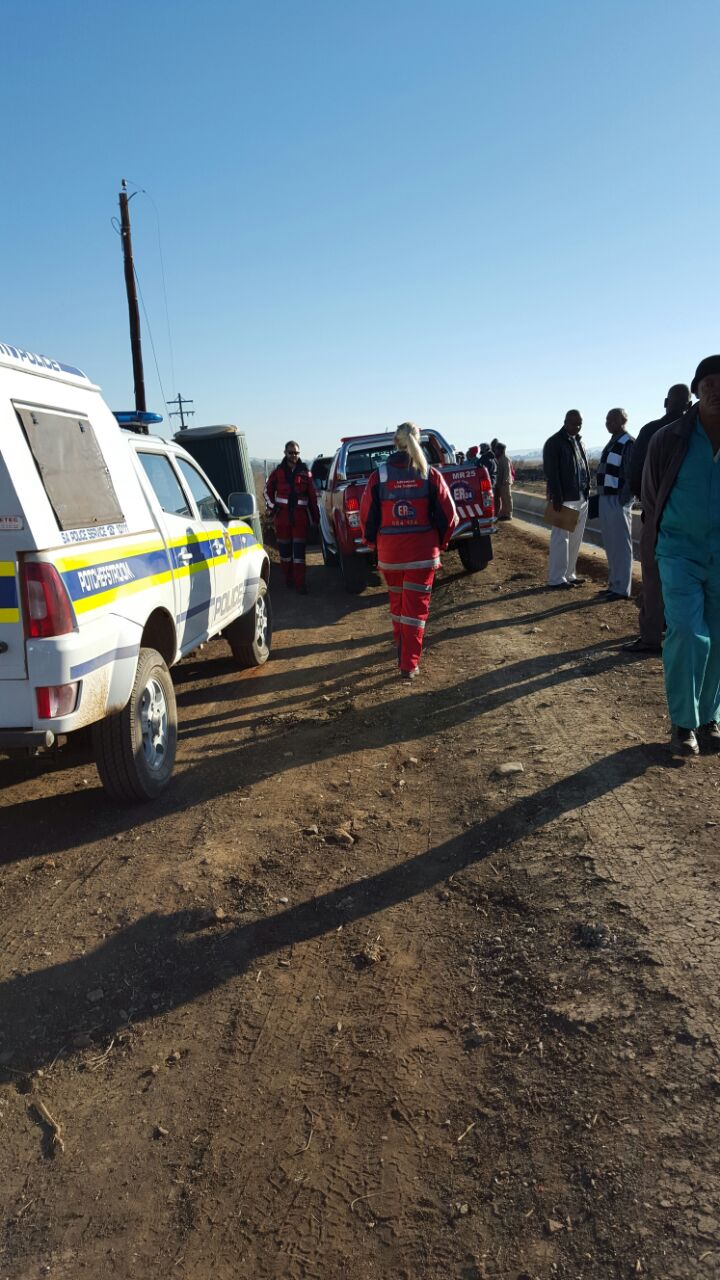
(568, 486)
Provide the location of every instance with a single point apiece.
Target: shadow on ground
(163, 962)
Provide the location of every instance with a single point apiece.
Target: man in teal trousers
(681, 500)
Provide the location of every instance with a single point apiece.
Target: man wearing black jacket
(568, 485)
(677, 402)
(652, 618)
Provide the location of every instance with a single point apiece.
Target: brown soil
(349, 1002)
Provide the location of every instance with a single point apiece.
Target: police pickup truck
(341, 538)
(117, 558)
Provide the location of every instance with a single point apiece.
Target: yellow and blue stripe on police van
(94, 579)
(9, 605)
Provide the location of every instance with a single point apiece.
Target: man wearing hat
(483, 456)
(681, 502)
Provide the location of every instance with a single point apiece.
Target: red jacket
(291, 491)
(411, 518)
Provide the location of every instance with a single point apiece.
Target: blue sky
(476, 215)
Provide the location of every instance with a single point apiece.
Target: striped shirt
(614, 465)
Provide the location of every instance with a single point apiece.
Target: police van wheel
(475, 553)
(135, 748)
(355, 574)
(250, 637)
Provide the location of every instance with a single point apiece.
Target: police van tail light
(48, 611)
(56, 700)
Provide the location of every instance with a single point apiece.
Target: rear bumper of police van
(72, 681)
(25, 739)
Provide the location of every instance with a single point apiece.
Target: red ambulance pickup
(358, 456)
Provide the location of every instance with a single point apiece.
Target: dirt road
(353, 1002)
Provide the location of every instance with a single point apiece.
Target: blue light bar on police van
(137, 418)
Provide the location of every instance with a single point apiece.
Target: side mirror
(242, 506)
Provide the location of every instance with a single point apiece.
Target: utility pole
(181, 413)
(133, 309)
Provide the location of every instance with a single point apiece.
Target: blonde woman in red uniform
(408, 513)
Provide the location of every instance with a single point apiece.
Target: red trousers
(291, 539)
(410, 591)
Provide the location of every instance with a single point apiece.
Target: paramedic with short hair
(291, 500)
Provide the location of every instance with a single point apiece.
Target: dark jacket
(560, 468)
(503, 471)
(640, 449)
(486, 458)
(665, 456)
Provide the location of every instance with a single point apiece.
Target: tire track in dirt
(272, 1062)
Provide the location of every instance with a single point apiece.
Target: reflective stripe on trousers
(409, 586)
(292, 561)
(410, 564)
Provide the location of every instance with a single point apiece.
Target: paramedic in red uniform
(408, 512)
(291, 499)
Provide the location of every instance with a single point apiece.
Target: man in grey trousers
(615, 500)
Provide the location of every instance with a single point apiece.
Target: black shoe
(577, 582)
(641, 646)
(560, 586)
(684, 742)
(710, 736)
(616, 595)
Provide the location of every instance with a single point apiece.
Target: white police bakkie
(117, 558)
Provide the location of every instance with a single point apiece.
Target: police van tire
(250, 637)
(475, 553)
(355, 574)
(135, 748)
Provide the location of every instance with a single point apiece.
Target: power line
(152, 343)
(181, 413)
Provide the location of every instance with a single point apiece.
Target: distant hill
(533, 457)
